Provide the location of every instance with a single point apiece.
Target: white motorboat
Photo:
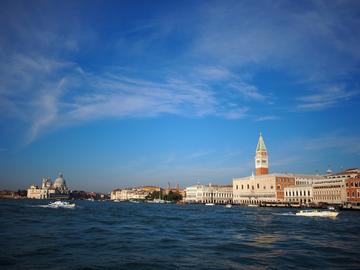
(253, 205)
(209, 204)
(158, 201)
(61, 204)
(133, 201)
(228, 206)
(317, 213)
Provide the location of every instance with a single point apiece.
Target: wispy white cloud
(340, 141)
(326, 98)
(234, 114)
(267, 118)
(319, 39)
(224, 43)
(55, 94)
(249, 91)
(213, 73)
(46, 109)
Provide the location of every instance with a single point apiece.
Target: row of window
(352, 184)
(252, 187)
(300, 200)
(284, 179)
(327, 198)
(216, 194)
(297, 193)
(252, 195)
(353, 194)
(330, 186)
(324, 192)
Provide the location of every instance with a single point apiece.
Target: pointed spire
(261, 145)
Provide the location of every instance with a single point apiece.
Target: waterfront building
(49, 190)
(136, 193)
(353, 191)
(332, 188)
(256, 189)
(302, 192)
(219, 194)
(299, 195)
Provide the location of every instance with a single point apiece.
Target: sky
(126, 93)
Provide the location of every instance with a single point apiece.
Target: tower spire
(261, 157)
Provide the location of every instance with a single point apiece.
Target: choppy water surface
(108, 235)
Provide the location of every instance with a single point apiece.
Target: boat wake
(285, 214)
(56, 205)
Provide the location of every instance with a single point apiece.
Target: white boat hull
(59, 204)
(317, 213)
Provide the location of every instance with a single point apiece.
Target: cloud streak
(326, 98)
(56, 94)
(209, 69)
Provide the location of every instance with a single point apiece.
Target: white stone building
(257, 189)
(332, 189)
(127, 194)
(219, 194)
(302, 192)
(48, 190)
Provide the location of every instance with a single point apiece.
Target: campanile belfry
(261, 158)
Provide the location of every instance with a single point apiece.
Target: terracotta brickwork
(353, 189)
(281, 183)
(262, 171)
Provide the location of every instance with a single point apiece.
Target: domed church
(49, 190)
(60, 183)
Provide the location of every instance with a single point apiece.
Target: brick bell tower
(261, 158)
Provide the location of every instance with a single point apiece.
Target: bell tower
(261, 158)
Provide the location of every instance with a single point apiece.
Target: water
(108, 235)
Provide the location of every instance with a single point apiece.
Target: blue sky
(127, 93)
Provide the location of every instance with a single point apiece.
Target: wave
(50, 206)
(285, 214)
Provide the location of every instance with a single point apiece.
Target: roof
(348, 171)
(261, 144)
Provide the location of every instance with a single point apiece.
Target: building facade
(302, 193)
(218, 194)
(137, 193)
(49, 190)
(353, 191)
(332, 189)
(299, 195)
(267, 188)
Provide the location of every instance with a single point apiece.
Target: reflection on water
(100, 235)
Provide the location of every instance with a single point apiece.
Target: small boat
(228, 206)
(156, 201)
(116, 200)
(317, 213)
(253, 205)
(61, 204)
(133, 201)
(209, 204)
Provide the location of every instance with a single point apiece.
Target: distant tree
(155, 195)
(173, 196)
(22, 193)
